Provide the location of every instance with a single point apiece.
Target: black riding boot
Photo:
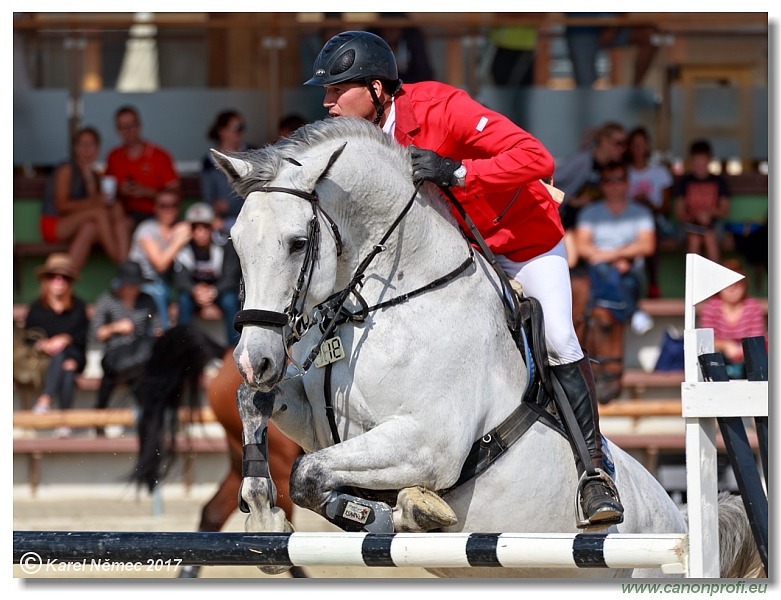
(598, 495)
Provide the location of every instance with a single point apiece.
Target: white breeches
(546, 278)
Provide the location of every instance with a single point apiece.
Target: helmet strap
(377, 104)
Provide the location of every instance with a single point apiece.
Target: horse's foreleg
(258, 494)
(362, 463)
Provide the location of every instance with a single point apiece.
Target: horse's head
(288, 252)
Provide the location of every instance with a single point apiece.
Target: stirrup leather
(583, 522)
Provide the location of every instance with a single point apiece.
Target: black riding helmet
(356, 56)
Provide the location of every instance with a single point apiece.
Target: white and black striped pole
(427, 550)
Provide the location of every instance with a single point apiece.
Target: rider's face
(349, 99)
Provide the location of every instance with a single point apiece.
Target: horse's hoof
(189, 572)
(419, 509)
(273, 570)
(298, 573)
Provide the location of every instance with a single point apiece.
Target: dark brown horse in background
(173, 379)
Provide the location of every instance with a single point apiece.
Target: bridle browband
(332, 312)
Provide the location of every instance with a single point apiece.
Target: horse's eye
(298, 245)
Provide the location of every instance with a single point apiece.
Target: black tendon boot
(599, 498)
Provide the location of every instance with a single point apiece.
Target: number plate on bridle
(331, 350)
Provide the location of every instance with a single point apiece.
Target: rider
(494, 169)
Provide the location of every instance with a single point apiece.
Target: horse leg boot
(599, 497)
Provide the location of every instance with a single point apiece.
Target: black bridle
(332, 312)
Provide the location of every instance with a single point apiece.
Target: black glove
(430, 166)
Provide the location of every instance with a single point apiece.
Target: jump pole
(617, 551)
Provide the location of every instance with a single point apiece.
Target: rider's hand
(430, 166)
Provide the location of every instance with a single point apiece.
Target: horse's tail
(738, 554)
(171, 377)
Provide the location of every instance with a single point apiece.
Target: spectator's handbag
(129, 360)
(30, 364)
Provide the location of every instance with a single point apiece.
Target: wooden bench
(36, 448)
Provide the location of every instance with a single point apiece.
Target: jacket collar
(406, 124)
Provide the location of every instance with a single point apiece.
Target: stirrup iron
(582, 521)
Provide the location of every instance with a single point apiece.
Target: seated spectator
(227, 133)
(650, 184)
(140, 167)
(701, 201)
(60, 320)
(288, 124)
(155, 245)
(733, 315)
(126, 323)
(75, 209)
(614, 235)
(579, 175)
(207, 274)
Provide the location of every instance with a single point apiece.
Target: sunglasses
(53, 276)
(616, 179)
(238, 128)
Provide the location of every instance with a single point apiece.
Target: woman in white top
(155, 245)
(650, 184)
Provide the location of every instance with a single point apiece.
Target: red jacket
(500, 159)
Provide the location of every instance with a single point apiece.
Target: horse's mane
(267, 161)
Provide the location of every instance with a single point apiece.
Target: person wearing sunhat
(206, 274)
(126, 323)
(57, 324)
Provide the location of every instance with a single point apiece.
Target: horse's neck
(423, 247)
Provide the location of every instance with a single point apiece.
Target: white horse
(421, 378)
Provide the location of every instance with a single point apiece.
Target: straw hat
(58, 263)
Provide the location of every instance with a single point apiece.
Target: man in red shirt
(141, 167)
(494, 169)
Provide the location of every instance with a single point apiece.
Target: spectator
(579, 175)
(60, 318)
(155, 245)
(614, 235)
(227, 133)
(76, 210)
(585, 41)
(126, 323)
(512, 64)
(650, 184)
(289, 124)
(207, 274)
(409, 46)
(701, 201)
(733, 315)
(140, 167)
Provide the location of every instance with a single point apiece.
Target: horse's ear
(337, 153)
(234, 168)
